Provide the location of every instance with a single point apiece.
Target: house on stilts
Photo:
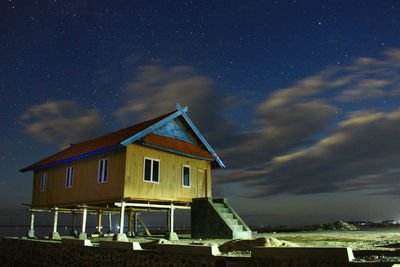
(161, 164)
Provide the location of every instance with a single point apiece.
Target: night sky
(300, 99)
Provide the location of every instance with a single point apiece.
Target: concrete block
(171, 236)
(55, 236)
(340, 255)
(120, 237)
(77, 242)
(189, 249)
(82, 236)
(31, 233)
(120, 245)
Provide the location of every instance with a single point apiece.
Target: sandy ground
(371, 244)
(368, 244)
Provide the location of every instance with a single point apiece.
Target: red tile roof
(113, 140)
(177, 145)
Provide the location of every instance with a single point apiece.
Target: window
(151, 170)
(103, 166)
(43, 178)
(186, 176)
(69, 177)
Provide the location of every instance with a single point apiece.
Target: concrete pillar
(171, 235)
(31, 232)
(121, 218)
(171, 218)
(120, 236)
(73, 225)
(55, 234)
(83, 234)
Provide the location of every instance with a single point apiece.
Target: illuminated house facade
(162, 162)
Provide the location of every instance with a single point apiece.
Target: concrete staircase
(228, 214)
(216, 219)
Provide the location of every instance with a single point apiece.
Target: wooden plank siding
(85, 188)
(170, 187)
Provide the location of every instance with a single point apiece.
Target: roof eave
(72, 158)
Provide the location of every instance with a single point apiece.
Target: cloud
(61, 122)
(360, 154)
(296, 147)
(156, 89)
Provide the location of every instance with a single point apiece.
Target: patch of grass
(298, 238)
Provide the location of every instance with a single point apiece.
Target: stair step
(237, 228)
(242, 234)
(223, 210)
(227, 215)
(233, 222)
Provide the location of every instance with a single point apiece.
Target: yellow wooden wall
(85, 186)
(170, 186)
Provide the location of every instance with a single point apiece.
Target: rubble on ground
(337, 226)
(153, 244)
(247, 244)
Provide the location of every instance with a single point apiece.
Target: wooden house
(162, 161)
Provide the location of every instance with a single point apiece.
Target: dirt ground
(368, 243)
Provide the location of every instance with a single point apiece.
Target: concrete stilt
(83, 234)
(55, 234)
(171, 235)
(73, 225)
(120, 236)
(31, 232)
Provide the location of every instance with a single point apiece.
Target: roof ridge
(126, 128)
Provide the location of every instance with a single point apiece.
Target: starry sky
(300, 99)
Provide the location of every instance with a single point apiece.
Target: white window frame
(43, 181)
(151, 170)
(69, 177)
(183, 175)
(103, 174)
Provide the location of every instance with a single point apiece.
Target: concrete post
(171, 218)
(120, 236)
(55, 234)
(31, 232)
(83, 234)
(171, 235)
(121, 218)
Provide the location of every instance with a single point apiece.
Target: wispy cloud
(156, 89)
(295, 147)
(62, 122)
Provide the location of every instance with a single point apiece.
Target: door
(201, 183)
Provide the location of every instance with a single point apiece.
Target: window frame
(69, 179)
(151, 170)
(43, 181)
(102, 177)
(183, 175)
